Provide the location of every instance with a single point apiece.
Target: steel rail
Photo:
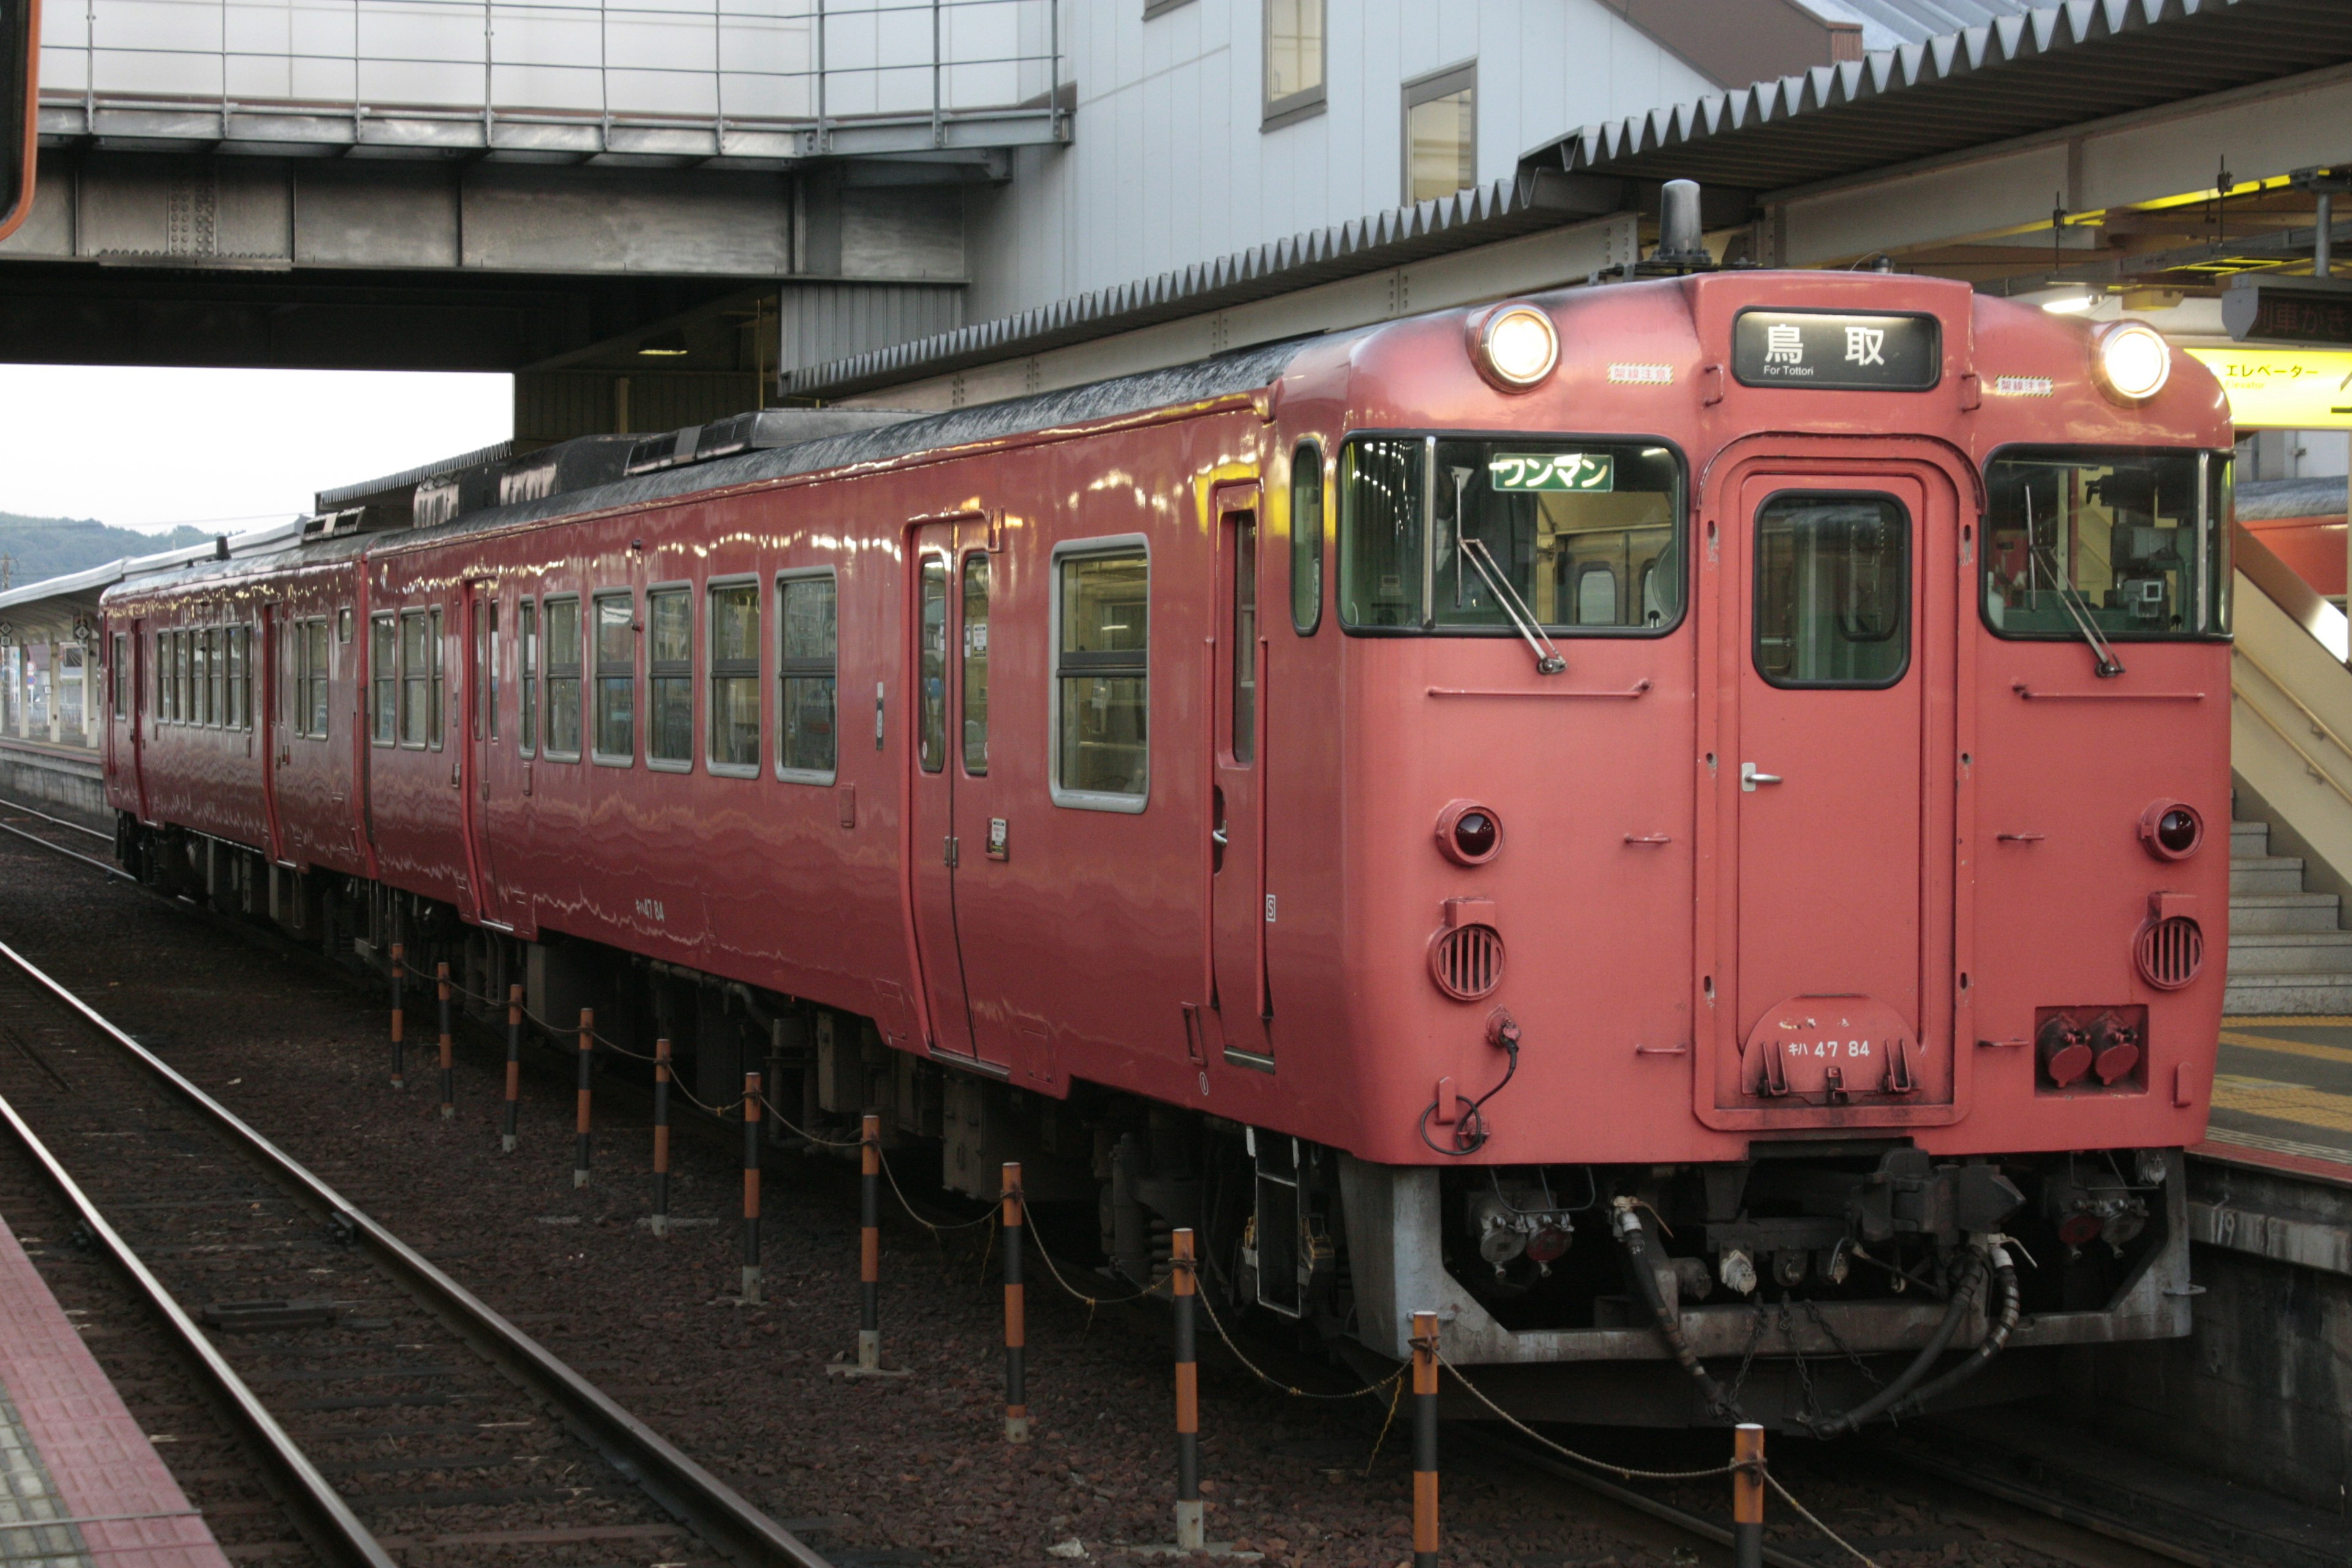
(61, 821)
(722, 1516)
(325, 1521)
(108, 867)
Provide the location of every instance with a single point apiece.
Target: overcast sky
(146, 448)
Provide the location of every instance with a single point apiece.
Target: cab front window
(2135, 543)
(1454, 535)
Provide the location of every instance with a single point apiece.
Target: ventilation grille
(1466, 962)
(2169, 951)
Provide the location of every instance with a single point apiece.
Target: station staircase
(2291, 778)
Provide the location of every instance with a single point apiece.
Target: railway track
(1952, 1508)
(390, 1408)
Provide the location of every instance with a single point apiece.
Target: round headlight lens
(2133, 360)
(1519, 346)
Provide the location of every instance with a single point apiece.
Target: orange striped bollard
(869, 1244)
(1747, 1495)
(587, 1051)
(660, 1223)
(1191, 1530)
(1424, 1440)
(514, 1065)
(399, 1021)
(750, 1189)
(448, 1063)
(1016, 1338)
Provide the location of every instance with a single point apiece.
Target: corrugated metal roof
(1887, 23)
(2033, 69)
(1479, 216)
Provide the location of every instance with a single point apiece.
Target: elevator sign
(2283, 389)
(1830, 350)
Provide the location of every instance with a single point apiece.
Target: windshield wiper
(1548, 659)
(2070, 598)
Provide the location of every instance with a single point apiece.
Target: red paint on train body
(1863, 940)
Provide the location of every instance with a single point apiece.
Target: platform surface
(80, 1487)
(2283, 1094)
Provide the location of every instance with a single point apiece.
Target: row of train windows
(203, 677)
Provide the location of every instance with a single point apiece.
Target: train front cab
(1852, 989)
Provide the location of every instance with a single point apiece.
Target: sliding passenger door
(480, 699)
(939, 827)
(1237, 794)
(273, 725)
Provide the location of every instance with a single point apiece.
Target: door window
(415, 677)
(1833, 590)
(382, 673)
(932, 697)
(1245, 698)
(975, 665)
(525, 675)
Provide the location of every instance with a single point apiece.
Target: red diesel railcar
(1666, 822)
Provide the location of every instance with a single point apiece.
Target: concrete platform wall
(35, 774)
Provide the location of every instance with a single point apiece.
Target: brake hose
(1636, 1243)
(2004, 1276)
(1879, 1403)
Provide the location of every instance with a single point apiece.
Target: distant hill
(44, 547)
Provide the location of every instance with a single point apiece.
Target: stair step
(2254, 994)
(2250, 838)
(2290, 952)
(2284, 911)
(2266, 874)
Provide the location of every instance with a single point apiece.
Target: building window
(806, 677)
(527, 674)
(382, 672)
(416, 678)
(733, 738)
(1102, 679)
(669, 678)
(616, 679)
(1306, 537)
(1294, 60)
(1440, 133)
(975, 664)
(563, 679)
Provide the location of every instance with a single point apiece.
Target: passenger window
(416, 678)
(1379, 531)
(616, 679)
(440, 685)
(382, 673)
(208, 702)
(1833, 590)
(975, 665)
(733, 740)
(1306, 537)
(806, 677)
(669, 676)
(319, 670)
(526, 676)
(563, 679)
(1102, 679)
(931, 714)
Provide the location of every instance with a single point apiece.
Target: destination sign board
(1837, 351)
(1552, 471)
(2289, 311)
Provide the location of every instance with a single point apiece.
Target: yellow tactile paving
(2300, 1021)
(2283, 1102)
(2286, 1047)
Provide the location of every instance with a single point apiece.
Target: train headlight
(2131, 360)
(1515, 347)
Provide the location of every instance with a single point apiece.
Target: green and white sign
(1552, 471)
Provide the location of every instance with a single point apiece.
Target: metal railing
(942, 71)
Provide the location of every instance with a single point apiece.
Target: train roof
(887, 437)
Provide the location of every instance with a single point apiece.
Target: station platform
(2283, 1095)
(80, 1487)
(34, 772)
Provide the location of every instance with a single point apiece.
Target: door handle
(1749, 778)
(1217, 836)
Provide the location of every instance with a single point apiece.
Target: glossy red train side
(1738, 919)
